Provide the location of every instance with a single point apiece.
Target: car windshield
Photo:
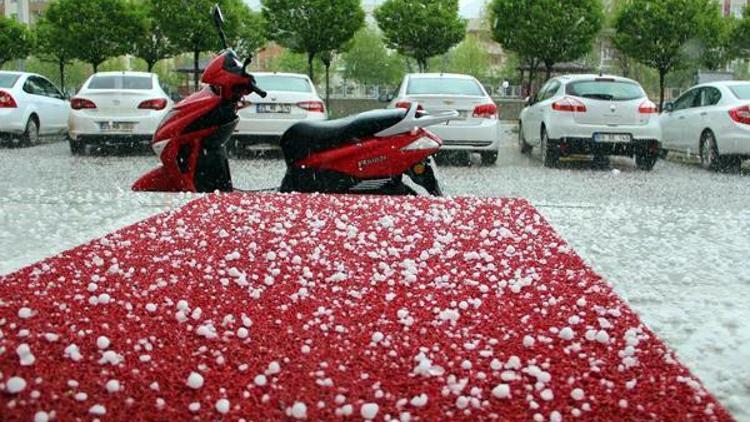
(742, 92)
(121, 82)
(7, 80)
(605, 89)
(444, 86)
(283, 83)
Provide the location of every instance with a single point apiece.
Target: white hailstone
(24, 313)
(92, 287)
(81, 396)
(242, 332)
(195, 380)
(305, 349)
(273, 368)
(496, 365)
(602, 337)
(150, 307)
(260, 380)
(501, 391)
(15, 385)
(51, 337)
(555, 416)
(577, 394)
(112, 386)
(369, 410)
(182, 305)
(98, 410)
(299, 410)
(41, 416)
(104, 298)
(566, 333)
(347, 410)
(24, 354)
(194, 407)
(222, 406)
(546, 394)
(377, 337)
(528, 341)
(102, 342)
(419, 401)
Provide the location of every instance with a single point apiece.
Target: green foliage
(655, 32)
(715, 48)
(16, 40)
(741, 36)
(368, 61)
(291, 62)
(151, 43)
(421, 28)
(313, 27)
(249, 36)
(470, 57)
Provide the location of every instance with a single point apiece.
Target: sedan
(476, 128)
(711, 121)
(291, 98)
(591, 115)
(30, 107)
(116, 108)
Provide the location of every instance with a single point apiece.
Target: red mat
(326, 306)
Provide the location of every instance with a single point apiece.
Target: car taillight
(81, 103)
(569, 105)
(647, 107)
(485, 111)
(155, 104)
(314, 106)
(741, 114)
(7, 101)
(406, 104)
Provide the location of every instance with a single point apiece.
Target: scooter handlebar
(258, 91)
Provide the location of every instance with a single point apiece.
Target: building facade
(24, 11)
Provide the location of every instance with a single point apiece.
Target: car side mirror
(668, 107)
(385, 98)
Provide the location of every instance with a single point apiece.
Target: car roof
(587, 76)
(439, 75)
(723, 83)
(13, 72)
(123, 73)
(293, 75)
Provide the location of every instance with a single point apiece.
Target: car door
(693, 122)
(535, 114)
(672, 121)
(59, 108)
(708, 116)
(40, 103)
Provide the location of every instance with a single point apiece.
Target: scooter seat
(305, 138)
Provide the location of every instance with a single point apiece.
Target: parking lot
(673, 242)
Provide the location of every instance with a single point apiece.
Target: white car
(711, 121)
(291, 98)
(476, 128)
(30, 107)
(591, 115)
(116, 108)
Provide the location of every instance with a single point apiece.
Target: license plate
(613, 137)
(116, 126)
(274, 108)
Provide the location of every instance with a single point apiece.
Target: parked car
(711, 121)
(116, 108)
(591, 115)
(291, 98)
(30, 106)
(476, 129)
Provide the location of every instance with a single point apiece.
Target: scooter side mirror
(219, 23)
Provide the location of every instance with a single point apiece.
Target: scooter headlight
(422, 144)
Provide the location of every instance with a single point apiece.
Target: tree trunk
(61, 68)
(662, 76)
(548, 68)
(95, 66)
(150, 66)
(196, 69)
(310, 71)
(328, 85)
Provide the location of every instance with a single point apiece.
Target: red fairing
(373, 157)
(157, 180)
(215, 74)
(185, 113)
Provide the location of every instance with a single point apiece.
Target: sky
(469, 8)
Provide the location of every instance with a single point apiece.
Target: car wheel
(645, 160)
(31, 135)
(489, 158)
(76, 147)
(522, 145)
(710, 158)
(550, 156)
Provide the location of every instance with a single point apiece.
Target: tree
(249, 36)
(54, 43)
(716, 47)
(469, 57)
(291, 62)
(151, 43)
(654, 32)
(368, 62)
(741, 35)
(314, 27)
(189, 25)
(16, 40)
(421, 28)
(98, 29)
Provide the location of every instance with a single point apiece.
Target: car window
(685, 101)
(711, 96)
(539, 96)
(698, 98)
(742, 92)
(444, 86)
(32, 86)
(121, 82)
(49, 89)
(7, 80)
(283, 83)
(605, 89)
(552, 88)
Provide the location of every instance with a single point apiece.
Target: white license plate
(116, 126)
(273, 108)
(613, 137)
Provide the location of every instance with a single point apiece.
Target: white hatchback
(476, 128)
(711, 121)
(291, 98)
(591, 115)
(116, 108)
(30, 107)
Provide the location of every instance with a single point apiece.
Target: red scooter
(366, 153)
